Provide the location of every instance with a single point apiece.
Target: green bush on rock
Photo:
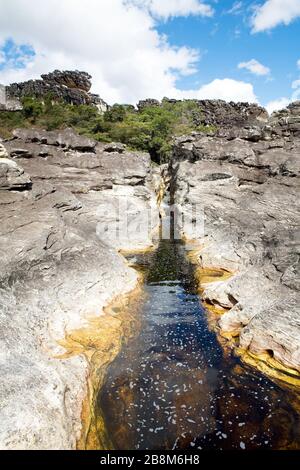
(150, 129)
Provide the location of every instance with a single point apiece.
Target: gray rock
(13, 176)
(148, 103)
(66, 139)
(224, 115)
(245, 193)
(70, 86)
(69, 79)
(3, 151)
(21, 153)
(59, 268)
(115, 147)
(287, 121)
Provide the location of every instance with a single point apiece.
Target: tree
(116, 113)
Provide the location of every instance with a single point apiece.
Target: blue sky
(226, 40)
(235, 50)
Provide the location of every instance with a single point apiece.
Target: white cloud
(236, 9)
(2, 58)
(277, 105)
(275, 12)
(296, 84)
(116, 42)
(296, 88)
(254, 67)
(296, 95)
(283, 102)
(171, 8)
(226, 89)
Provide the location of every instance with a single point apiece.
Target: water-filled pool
(171, 387)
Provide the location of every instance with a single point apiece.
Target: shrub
(32, 108)
(151, 129)
(116, 113)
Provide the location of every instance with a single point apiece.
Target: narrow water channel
(171, 387)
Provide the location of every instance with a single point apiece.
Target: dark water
(172, 388)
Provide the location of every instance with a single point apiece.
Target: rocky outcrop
(286, 123)
(8, 103)
(222, 114)
(66, 139)
(70, 86)
(239, 193)
(148, 103)
(63, 199)
(69, 79)
(218, 113)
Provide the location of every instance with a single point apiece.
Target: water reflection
(172, 388)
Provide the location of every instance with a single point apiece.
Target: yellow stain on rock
(209, 275)
(215, 310)
(205, 274)
(270, 366)
(230, 340)
(137, 251)
(100, 342)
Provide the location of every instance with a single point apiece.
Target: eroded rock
(70, 86)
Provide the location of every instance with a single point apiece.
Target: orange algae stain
(137, 251)
(270, 366)
(215, 310)
(209, 275)
(230, 339)
(205, 274)
(100, 342)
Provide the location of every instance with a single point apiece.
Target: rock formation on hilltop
(223, 114)
(218, 112)
(70, 86)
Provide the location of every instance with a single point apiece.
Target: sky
(236, 50)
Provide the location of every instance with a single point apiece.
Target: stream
(172, 387)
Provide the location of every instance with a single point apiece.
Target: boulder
(66, 139)
(148, 103)
(115, 148)
(12, 176)
(3, 151)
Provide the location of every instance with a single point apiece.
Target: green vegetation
(150, 129)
